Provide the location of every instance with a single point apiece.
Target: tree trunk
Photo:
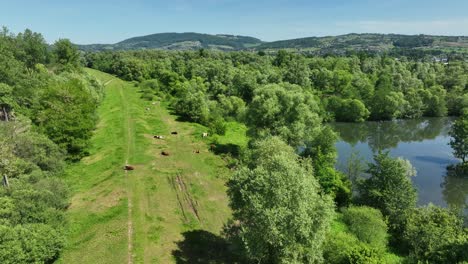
(5, 181)
(5, 113)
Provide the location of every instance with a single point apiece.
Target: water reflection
(455, 188)
(388, 134)
(423, 141)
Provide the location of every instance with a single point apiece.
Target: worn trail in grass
(142, 216)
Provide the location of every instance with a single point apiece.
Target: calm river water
(424, 142)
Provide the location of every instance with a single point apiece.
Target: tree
(66, 54)
(389, 188)
(387, 105)
(436, 235)
(131, 69)
(434, 100)
(348, 110)
(296, 71)
(322, 151)
(67, 115)
(192, 102)
(32, 243)
(275, 198)
(284, 110)
(32, 48)
(459, 140)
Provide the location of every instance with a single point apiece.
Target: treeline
(352, 89)
(47, 114)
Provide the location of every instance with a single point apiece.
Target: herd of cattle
(166, 153)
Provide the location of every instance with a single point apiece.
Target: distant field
(171, 198)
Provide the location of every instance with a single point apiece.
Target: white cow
(204, 134)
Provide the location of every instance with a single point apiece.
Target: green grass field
(143, 216)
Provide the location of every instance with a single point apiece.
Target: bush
(436, 235)
(345, 248)
(364, 254)
(32, 243)
(337, 246)
(218, 126)
(367, 224)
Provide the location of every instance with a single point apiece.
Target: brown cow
(197, 151)
(212, 147)
(165, 153)
(129, 167)
(174, 133)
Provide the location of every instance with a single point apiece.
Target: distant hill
(315, 45)
(178, 41)
(368, 42)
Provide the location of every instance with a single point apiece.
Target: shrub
(367, 224)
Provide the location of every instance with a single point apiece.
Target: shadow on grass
(200, 246)
(232, 149)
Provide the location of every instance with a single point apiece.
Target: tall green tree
(284, 110)
(389, 188)
(282, 214)
(66, 54)
(32, 48)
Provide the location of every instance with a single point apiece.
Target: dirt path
(129, 140)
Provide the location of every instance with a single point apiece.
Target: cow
(158, 137)
(164, 153)
(197, 151)
(212, 147)
(129, 167)
(147, 108)
(174, 133)
(204, 134)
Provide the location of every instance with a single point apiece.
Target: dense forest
(289, 203)
(286, 192)
(47, 116)
(354, 88)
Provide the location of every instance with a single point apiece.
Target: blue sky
(103, 21)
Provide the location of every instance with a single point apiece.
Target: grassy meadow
(145, 215)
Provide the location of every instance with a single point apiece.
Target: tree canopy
(278, 204)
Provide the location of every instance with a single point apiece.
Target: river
(424, 142)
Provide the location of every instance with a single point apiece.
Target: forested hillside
(178, 41)
(375, 43)
(415, 46)
(47, 116)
